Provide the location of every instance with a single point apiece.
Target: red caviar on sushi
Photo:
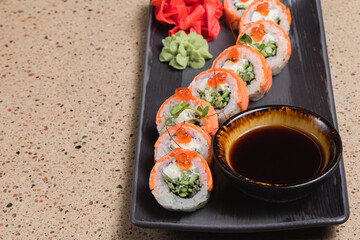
(233, 9)
(223, 89)
(181, 180)
(272, 10)
(250, 66)
(184, 135)
(185, 107)
(270, 40)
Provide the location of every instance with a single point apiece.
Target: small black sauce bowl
(289, 116)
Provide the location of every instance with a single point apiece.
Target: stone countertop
(70, 88)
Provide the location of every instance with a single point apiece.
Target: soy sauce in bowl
(276, 155)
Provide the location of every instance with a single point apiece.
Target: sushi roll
(233, 9)
(272, 10)
(223, 89)
(181, 181)
(270, 40)
(185, 107)
(250, 65)
(187, 136)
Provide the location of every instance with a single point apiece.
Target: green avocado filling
(247, 75)
(217, 97)
(267, 50)
(186, 186)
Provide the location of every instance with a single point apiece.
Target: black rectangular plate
(304, 82)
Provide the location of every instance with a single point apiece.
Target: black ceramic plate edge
(139, 135)
(345, 217)
(236, 228)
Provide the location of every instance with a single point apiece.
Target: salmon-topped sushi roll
(223, 89)
(272, 10)
(270, 40)
(187, 136)
(250, 66)
(185, 107)
(233, 9)
(181, 181)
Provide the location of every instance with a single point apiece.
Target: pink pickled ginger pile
(200, 16)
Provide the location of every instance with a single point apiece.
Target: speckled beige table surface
(70, 83)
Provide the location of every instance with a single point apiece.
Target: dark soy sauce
(276, 154)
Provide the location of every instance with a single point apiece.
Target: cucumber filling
(182, 112)
(186, 115)
(267, 50)
(241, 5)
(247, 75)
(185, 186)
(217, 97)
(242, 67)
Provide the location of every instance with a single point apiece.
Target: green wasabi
(182, 50)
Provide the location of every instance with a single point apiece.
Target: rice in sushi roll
(185, 107)
(181, 181)
(233, 9)
(187, 136)
(270, 40)
(250, 65)
(223, 89)
(272, 10)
